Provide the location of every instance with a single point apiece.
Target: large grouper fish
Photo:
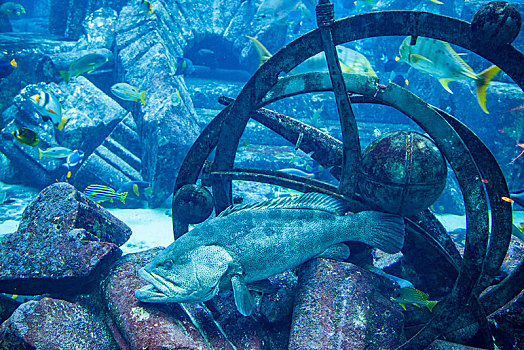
(249, 243)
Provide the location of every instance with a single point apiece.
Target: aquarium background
(126, 142)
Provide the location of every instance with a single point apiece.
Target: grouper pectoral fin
(338, 251)
(243, 299)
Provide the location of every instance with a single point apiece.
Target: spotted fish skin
(251, 243)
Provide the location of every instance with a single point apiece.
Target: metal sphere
(192, 204)
(402, 173)
(497, 23)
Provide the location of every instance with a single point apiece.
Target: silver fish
(128, 92)
(249, 243)
(54, 152)
(438, 59)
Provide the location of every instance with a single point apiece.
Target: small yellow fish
(438, 59)
(176, 99)
(410, 295)
(102, 193)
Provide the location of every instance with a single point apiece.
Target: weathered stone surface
(445, 345)
(508, 324)
(337, 298)
(115, 161)
(54, 324)
(151, 326)
(64, 242)
(166, 130)
(99, 27)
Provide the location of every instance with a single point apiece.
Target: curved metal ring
(365, 26)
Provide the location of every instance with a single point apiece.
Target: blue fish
(7, 67)
(400, 80)
(74, 159)
(183, 66)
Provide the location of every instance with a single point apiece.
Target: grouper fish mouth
(158, 290)
(249, 243)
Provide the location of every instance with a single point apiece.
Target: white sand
(151, 228)
(8, 226)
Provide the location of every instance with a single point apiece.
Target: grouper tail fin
(382, 230)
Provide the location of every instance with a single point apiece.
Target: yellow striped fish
(438, 59)
(101, 193)
(410, 295)
(351, 61)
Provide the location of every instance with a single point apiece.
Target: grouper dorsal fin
(312, 201)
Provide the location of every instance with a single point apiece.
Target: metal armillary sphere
(467, 155)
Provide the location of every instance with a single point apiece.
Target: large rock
(63, 243)
(146, 326)
(166, 130)
(54, 324)
(213, 325)
(337, 298)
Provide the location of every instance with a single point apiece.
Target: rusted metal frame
(462, 163)
(501, 217)
(387, 102)
(280, 175)
(193, 162)
(453, 31)
(297, 183)
(391, 23)
(321, 147)
(493, 299)
(351, 152)
(496, 188)
(428, 221)
(298, 84)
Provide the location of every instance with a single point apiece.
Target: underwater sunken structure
(66, 248)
